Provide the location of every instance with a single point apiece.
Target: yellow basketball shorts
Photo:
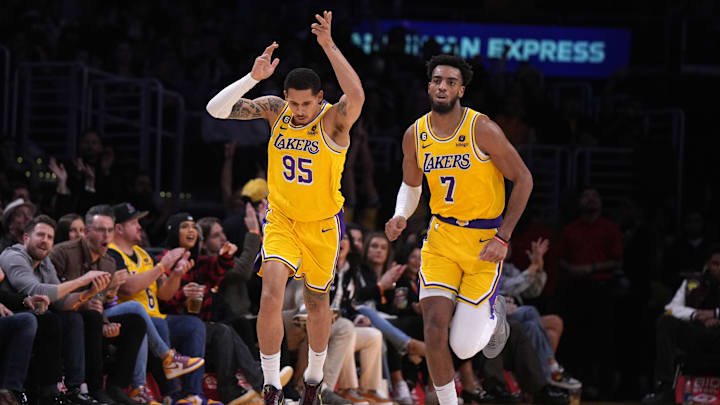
(449, 261)
(309, 249)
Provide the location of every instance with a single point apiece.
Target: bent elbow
(215, 111)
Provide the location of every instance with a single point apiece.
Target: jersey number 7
(449, 181)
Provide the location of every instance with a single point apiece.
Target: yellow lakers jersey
(304, 169)
(147, 297)
(464, 183)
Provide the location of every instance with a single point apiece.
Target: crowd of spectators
(600, 279)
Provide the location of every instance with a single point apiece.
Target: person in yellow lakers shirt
(303, 225)
(465, 157)
(145, 285)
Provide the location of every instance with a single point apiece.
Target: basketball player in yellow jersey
(464, 156)
(303, 225)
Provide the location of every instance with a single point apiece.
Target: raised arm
(343, 114)
(492, 141)
(230, 104)
(410, 189)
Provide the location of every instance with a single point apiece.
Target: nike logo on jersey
(484, 240)
(325, 230)
(282, 127)
(425, 146)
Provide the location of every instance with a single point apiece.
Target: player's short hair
(303, 79)
(451, 60)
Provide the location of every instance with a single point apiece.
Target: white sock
(271, 369)
(314, 371)
(447, 394)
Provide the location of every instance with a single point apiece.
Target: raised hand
(537, 252)
(251, 218)
(322, 28)
(59, 170)
(394, 227)
(264, 67)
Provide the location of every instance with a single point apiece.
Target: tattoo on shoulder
(275, 104)
(245, 110)
(341, 108)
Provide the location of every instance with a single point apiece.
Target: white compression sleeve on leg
(470, 329)
(221, 105)
(407, 200)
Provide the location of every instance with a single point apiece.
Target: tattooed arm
(343, 114)
(266, 107)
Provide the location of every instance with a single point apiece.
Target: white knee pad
(471, 328)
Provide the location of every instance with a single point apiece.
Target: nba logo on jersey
(461, 141)
(313, 130)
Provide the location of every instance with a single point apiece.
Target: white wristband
(221, 105)
(407, 200)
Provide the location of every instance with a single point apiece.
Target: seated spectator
(30, 272)
(691, 325)
(70, 227)
(357, 235)
(368, 340)
(233, 286)
(15, 216)
(519, 356)
(377, 278)
(145, 285)
(124, 330)
(687, 253)
(516, 285)
(17, 333)
(342, 335)
(201, 283)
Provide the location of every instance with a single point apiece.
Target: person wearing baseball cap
(255, 190)
(142, 286)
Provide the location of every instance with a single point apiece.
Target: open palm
(264, 66)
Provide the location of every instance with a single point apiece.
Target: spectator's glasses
(108, 231)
